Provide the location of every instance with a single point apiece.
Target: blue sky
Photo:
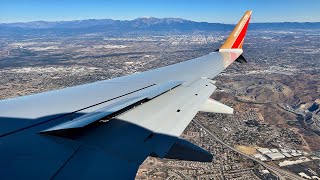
(223, 11)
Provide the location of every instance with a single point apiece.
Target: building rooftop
(286, 154)
(274, 150)
(275, 156)
(260, 157)
(264, 150)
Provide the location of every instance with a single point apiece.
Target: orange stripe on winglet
(235, 39)
(241, 36)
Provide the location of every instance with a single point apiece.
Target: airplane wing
(106, 129)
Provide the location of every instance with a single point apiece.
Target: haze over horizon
(212, 11)
(145, 17)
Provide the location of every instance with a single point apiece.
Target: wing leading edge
(105, 130)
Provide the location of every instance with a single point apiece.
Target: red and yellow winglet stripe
(236, 38)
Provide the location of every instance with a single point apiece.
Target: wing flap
(102, 113)
(152, 127)
(115, 108)
(171, 112)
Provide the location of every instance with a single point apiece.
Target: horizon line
(149, 17)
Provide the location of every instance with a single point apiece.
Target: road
(282, 174)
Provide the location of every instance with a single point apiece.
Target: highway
(282, 174)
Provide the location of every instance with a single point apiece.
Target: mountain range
(139, 25)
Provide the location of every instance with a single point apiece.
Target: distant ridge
(145, 22)
(139, 25)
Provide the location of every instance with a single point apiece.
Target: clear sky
(223, 11)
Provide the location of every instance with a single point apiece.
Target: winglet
(236, 38)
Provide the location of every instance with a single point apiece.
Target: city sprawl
(274, 132)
